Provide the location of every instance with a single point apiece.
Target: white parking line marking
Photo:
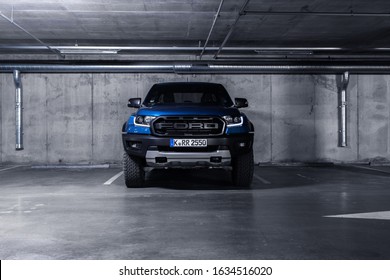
(10, 168)
(64, 166)
(305, 177)
(264, 181)
(383, 215)
(111, 180)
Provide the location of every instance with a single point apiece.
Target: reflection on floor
(289, 213)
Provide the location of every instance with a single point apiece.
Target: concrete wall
(77, 118)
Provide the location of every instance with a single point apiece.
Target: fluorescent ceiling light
(284, 52)
(89, 51)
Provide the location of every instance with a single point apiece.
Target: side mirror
(134, 103)
(241, 102)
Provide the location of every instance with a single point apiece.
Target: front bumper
(182, 159)
(139, 145)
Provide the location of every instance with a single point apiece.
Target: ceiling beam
(212, 28)
(240, 13)
(11, 20)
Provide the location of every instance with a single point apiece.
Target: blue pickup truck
(188, 125)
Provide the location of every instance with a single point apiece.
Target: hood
(187, 110)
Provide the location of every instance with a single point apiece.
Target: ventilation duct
(193, 68)
(18, 110)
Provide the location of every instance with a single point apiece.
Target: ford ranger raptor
(187, 125)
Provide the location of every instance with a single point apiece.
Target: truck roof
(187, 83)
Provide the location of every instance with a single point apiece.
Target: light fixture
(284, 52)
(89, 51)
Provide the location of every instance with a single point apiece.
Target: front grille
(188, 126)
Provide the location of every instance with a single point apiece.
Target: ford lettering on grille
(188, 126)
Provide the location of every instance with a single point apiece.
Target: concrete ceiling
(350, 27)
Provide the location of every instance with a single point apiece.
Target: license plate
(188, 143)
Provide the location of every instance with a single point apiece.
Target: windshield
(188, 93)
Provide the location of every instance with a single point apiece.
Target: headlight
(143, 120)
(233, 121)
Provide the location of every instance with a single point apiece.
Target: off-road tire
(242, 172)
(133, 171)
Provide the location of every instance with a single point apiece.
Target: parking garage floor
(289, 213)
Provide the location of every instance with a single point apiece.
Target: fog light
(215, 159)
(242, 145)
(161, 160)
(135, 145)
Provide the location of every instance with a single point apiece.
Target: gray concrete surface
(76, 118)
(187, 22)
(71, 214)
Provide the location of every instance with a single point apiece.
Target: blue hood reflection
(187, 110)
